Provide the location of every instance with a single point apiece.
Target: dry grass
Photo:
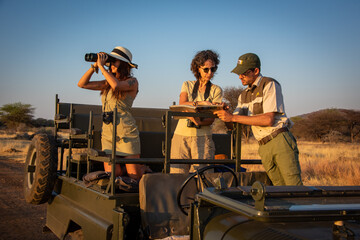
(250, 151)
(11, 148)
(332, 164)
(16, 145)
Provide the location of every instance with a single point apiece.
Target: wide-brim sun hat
(123, 54)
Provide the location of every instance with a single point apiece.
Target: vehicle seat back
(160, 214)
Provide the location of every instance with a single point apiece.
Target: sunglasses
(206, 70)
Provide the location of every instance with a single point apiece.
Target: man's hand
(224, 115)
(225, 106)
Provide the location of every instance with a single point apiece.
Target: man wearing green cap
(261, 105)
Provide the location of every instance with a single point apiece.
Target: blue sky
(311, 47)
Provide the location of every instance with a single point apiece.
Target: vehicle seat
(160, 214)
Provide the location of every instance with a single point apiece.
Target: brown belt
(267, 139)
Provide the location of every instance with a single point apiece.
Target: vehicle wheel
(200, 174)
(40, 169)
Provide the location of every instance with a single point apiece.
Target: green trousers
(280, 158)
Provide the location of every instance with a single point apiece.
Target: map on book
(199, 108)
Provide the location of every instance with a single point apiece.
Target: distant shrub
(41, 122)
(22, 127)
(46, 130)
(335, 137)
(14, 114)
(24, 136)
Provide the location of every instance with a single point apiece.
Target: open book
(199, 108)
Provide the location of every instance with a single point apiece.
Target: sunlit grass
(332, 164)
(13, 149)
(8, 142)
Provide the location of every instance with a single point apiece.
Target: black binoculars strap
(105, 102)
(196, 88)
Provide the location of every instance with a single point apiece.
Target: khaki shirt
(214, 96)
(264, 96)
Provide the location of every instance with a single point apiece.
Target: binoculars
(92, 57)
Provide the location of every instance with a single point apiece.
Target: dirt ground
(18, 219)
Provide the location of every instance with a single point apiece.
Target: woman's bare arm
(84, 81)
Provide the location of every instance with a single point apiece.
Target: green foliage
(14, 114)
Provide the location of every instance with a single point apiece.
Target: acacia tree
(14, 114)
(323, 122)
(231, 95)
(352, 123)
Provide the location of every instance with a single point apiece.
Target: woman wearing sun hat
(119, 89)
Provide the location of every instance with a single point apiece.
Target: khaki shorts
(193, 147)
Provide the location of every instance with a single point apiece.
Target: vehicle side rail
(187, 161)
(172, 161)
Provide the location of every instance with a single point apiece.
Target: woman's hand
(101, 60)
(203, 103)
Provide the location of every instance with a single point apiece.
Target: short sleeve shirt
(215, 96)
(263, 97)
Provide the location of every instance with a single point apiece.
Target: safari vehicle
(219, 201)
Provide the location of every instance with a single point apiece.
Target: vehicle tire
(40, 169)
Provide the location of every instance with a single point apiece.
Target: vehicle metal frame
(102, 213)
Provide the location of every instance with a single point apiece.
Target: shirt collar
(256, 82)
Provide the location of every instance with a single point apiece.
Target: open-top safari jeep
(216, 202)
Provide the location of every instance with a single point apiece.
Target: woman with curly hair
(193, 137)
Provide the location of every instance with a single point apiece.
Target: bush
(328, 125)
(15, 114)
(41, 122)
(334, 137)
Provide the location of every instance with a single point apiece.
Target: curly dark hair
(200, 58)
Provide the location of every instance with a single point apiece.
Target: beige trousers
(194, 147)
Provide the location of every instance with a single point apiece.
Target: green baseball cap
(246, 62)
